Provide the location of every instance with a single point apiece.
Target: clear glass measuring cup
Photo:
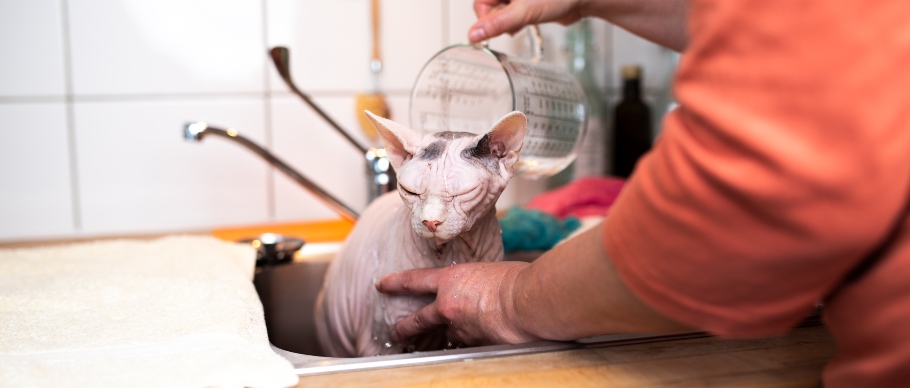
(469, 87)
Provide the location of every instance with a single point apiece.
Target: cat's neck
(482, 243)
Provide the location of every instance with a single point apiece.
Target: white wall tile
(399, 107)
(31, 48)
(330, 42)
(35, 194)
(411, 35)
(656, 61)
(138, 174)
(166, 46)
(303, 140)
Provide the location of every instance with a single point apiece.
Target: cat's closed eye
(406, 191)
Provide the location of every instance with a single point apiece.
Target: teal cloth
(530, 230)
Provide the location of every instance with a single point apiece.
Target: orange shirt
(787, 163)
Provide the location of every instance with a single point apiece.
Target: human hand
(473, 299)
(496, 17)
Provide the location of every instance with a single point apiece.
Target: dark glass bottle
(631, 124)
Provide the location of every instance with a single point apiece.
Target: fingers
(483, 7)
(415, 281)
(422, 321)
(494, 21)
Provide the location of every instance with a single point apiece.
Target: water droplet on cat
(375, 338)
(453, 264)
(449, 345)
(388, 345)
(456, 295)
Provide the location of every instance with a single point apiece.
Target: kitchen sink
(288, 293)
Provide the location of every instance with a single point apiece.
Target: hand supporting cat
(448, 186)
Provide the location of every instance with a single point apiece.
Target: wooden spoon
(373, 101)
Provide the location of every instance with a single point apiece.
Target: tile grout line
(267, 117)
(70, 117)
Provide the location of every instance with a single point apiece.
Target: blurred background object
(631, 124)
(93, 93)
(594, 156)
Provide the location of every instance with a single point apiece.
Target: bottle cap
(631, 72)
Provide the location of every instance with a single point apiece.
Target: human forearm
(573, 291)
(661, 21)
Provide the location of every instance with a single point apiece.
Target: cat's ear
(401, 143)
(507, 136)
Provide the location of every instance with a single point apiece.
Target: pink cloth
(589, 196)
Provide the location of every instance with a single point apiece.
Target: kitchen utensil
(380, 178)
(469, 87)
(373, 101)
(281, 57)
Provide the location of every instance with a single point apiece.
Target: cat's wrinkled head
(450, 179)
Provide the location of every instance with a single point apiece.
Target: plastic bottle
(631, 124)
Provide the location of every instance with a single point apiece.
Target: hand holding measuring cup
(497, 17)
(469, 87)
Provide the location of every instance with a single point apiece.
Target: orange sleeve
(785, 165)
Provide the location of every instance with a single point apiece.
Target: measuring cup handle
(536, 43)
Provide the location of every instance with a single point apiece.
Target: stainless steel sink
(306, 365)
(288, 294)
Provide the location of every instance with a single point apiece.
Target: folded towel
(174, 312)
(589, 196)
(528, 229)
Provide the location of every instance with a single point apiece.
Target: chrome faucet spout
(196, 131)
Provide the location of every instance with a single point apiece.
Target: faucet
(382, 179)
(380, 176)
(378, 166)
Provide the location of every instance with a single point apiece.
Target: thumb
(507, 19)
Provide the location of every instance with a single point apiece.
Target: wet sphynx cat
(448, 185)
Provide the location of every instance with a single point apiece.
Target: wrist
(515, 302)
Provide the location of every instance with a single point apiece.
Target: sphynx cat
(448, 184)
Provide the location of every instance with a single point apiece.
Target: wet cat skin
(443, 214)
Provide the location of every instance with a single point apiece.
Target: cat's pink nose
(431, 225)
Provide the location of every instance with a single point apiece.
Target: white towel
(179, 311)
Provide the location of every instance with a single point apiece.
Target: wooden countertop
(792, 360)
